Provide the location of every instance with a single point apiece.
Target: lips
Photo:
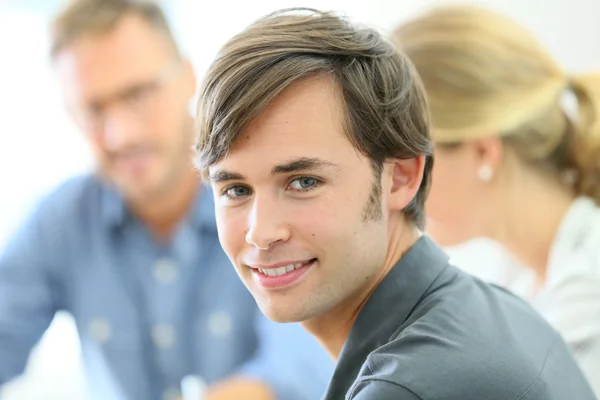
(282, 275)
(279, 271)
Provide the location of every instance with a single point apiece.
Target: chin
(140, 190)
(144, 182)
(135, 193)
(280, 313)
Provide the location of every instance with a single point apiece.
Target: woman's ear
(489, 153)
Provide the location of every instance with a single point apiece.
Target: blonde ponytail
(586, 151)
(486, 75)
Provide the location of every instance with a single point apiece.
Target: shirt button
(163, 336)
(100, 329)
(165, 271)
(171, 394)
(220, 324)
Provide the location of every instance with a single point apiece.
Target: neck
(162, 212)
(531, 220)
(332, 329)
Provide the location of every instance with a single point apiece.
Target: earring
(485, 173)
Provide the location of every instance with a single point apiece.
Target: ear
(489, 153)
(406, 177)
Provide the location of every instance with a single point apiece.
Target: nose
(121, 129)
(266, 225)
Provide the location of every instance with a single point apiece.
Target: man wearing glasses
(119, 249)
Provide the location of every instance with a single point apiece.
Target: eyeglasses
(140, 99)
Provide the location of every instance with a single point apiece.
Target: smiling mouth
(285, 269)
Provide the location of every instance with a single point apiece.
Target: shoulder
(575, 249)
(52, 227)
(69, 199)
(71, 192)
(467, 347)
(61, 207)
(441, 368)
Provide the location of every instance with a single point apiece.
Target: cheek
(163, 130)
(169, 124)
(231, 229)
(96, 144)
(323, 221)
(313, 220)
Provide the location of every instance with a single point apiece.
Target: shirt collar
(388, 308)
(572, 275)
(398, 293)
(576, 224)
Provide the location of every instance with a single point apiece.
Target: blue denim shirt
(147, 313)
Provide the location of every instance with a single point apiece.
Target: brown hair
(486, 75)
(82, 17)
(384, 105)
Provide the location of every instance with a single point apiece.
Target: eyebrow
(223, 176)
(161, 78)
(120, 94)
(299, 164)
(302, 164)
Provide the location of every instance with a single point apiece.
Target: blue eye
(304, 183)
(237, 191)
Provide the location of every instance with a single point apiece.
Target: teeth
(281, 270)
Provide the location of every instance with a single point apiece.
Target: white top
(570, 298)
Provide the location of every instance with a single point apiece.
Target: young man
(314, 136)
(132, 251)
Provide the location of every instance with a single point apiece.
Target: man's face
(129, 93)
(297, 209)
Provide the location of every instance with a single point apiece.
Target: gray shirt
(432, 332)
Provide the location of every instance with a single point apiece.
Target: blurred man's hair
(385, 112)
(92, 17)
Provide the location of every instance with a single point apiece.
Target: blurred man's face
(129, 93)
(298, 211)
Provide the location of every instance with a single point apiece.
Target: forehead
(305, 120)
(98, 64)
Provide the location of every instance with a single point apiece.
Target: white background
(39, 146)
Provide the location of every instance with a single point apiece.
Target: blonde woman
(512, 164)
